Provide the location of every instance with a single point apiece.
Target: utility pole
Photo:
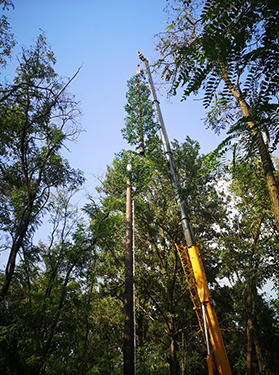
(129, 345)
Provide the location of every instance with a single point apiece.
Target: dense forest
(62, 299)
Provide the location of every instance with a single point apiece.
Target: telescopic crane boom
(190, 258)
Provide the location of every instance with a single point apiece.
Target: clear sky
(104, 37)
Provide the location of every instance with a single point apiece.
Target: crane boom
(191, 252)
(187, 228)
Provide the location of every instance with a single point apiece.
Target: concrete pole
(129, 365)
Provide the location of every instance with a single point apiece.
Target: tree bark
(183, 367)
(267, 163)
(174, 366)
(252, 334)
(140, 335)
(87, 330)
(249, 327)
(258, 348)
(17, 243)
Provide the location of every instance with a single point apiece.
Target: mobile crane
(217, 360)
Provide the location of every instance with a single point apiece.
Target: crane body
(217, 359)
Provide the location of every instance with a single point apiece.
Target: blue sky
(104, 37)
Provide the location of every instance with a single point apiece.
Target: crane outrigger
(217, 360)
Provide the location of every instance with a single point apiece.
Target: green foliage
(140, 121)
(247, 251)
(219, 47)
(48, 313)
(117, 174)
(37, 117)
(64, 312)
(7, 41)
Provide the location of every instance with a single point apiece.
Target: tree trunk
(87, 330)
(183, 367)
(249, 328)
(256, 334)
(140, 335)
(258, 350)
(174, 366)
(267, 163)
(252, 334)
(10, 268)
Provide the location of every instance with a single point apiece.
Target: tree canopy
(37, 117)
(229, 49)
(140, 121)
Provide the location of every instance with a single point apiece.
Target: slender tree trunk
(252, 332)
(249, 327)
(267, 163)
(183, 367)
(85, 343)
(174, 366)
(10, 268)
(256, 334)
(140, 335)
(258, 349)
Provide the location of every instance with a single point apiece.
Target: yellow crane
(217, 360)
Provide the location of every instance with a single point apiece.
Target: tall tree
(38, 116)
(230, 49)
(140, 120)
